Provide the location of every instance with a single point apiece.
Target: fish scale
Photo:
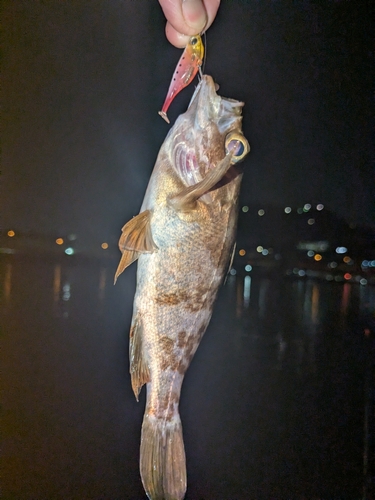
(182, 238)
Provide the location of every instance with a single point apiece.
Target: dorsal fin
(139, 371)
(136, 238)
(187, 198)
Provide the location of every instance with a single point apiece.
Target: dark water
(272, 405)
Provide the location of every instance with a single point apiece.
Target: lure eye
(193, 40)
(236, 144)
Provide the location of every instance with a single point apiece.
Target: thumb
(194, 14)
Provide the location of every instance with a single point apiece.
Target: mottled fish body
(182, 238)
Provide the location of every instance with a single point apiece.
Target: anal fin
(139, 371)
(136, 238)
(187, 198)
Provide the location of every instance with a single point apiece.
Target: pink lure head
(185, 71)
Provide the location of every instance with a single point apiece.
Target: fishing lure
(186, 69)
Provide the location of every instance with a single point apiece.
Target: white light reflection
(66, 292)
(246, 291)
(263, 296)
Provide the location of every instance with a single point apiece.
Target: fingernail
(194, 14)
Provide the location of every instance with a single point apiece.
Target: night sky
(83, 82)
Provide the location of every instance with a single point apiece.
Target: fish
(186, 69)
(183, 238)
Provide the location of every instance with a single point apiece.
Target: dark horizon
(82, 84)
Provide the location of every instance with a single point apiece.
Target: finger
(175, 37)
(184, 18)
(187, 17)
(212, 7)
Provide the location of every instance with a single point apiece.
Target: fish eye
(236, 144)
(193, 40)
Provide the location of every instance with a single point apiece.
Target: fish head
(208, 131)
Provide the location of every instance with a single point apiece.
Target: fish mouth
(206, 91)
(206, 86)
(207, 106)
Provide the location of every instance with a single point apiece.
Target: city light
(363, 281)
(319, 207)
(261, 212)
(341, 250)
(347, 260)
(347, 276)
(317, 257)
(259, 249)
(59, 241)
(248, 268)
(11, 234)
(310, 253)
(69, 251)
(104, 246)
(333, 264)
(264, 251)
(310, 222)
(245, 208)
(287, 210)
(233, 272)
(306, 207)
(299, 210)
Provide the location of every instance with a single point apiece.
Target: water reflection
(102, 287)
(61, 292)
(7, 282)
(272, 405)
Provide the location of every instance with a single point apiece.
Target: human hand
(187, 17)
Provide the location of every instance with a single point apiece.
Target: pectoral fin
(139, 370)
(136, 234)
(136, 238)
(187, 198)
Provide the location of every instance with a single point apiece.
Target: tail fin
(162, 460)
